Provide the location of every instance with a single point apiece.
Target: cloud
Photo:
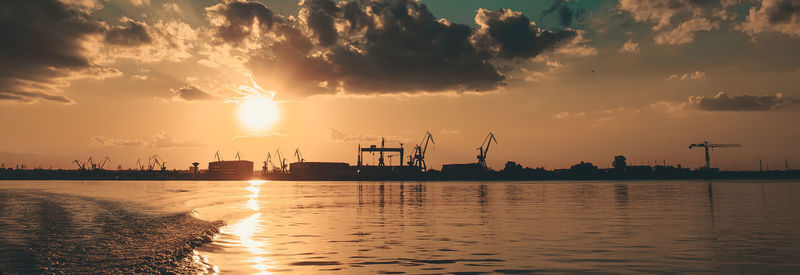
(140, 3)
(44, 47)
(564, 115)
(781, 16)
(564, 13)
(723, 102)
(630, 46)
(697, 75)
(338, 135)
(376, 47)
(132, 34)
(449, 132)
(191, 93)
(685, 32)
(160, 140)
(139, 77)
(661, 12)
(261, 137)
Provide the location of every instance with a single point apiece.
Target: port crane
(217, 156)
(103, 163)
(139, 164)
(418, 157)
(238, 156)
(81, 165)
(265, 169)
(281, 160)
(298, 155)
(156, 160)
(91, 163)
(484, 149)
(705, 145)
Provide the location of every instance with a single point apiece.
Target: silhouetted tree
(619, 163)
(583, 169)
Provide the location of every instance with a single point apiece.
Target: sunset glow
(258, 113)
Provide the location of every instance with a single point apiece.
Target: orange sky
(557, 82)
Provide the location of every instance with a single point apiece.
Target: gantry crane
(298, 155)
(417, 159)
(484, 149)
(705, 145)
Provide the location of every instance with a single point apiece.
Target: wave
(43, 232)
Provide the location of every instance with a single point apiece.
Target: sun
(258, 113)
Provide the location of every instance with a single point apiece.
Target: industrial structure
(471, 170)
(417, 159)
(705, 145)
(230, 169)
(381, 151)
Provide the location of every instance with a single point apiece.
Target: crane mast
(705, 145)
(483, 151)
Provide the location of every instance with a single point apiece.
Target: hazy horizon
(558, 82)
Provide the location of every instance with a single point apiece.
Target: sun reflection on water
(247, 230)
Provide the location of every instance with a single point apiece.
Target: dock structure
(381, 150)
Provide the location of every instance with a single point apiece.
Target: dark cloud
(239, 18)
(132, 34)
(782, 11)
(320, 16)
(375, 47)
(564, 13)
(724, 102)
(42, 42)
(515, 35)
(191, 93)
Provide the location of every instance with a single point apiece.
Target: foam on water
(47, 232)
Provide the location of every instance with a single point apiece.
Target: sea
(472, 227)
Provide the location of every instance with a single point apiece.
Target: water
(393, 227)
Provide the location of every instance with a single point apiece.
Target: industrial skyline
(557, 81)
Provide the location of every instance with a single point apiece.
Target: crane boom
(705, 145)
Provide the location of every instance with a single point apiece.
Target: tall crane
(705, 145)
(418, 157)
(281, 161)
(298, 155)
(217, 156)
(81, 165)
(265, 168)
(238, 156)
(91, 163)
(484, 149)
(103, 163)
(156, 160)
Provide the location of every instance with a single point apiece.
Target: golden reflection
(248, 229)
(254, 188)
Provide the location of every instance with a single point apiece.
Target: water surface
(394, 227)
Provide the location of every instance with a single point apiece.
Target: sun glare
(258, 113)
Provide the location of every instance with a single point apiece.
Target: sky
(557, 82)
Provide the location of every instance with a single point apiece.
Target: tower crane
(484, 149)
(705, 145)
(298, 155)
(418, 157)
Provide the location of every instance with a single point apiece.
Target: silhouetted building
(230, 169)
(321, 170)
(464, 171)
